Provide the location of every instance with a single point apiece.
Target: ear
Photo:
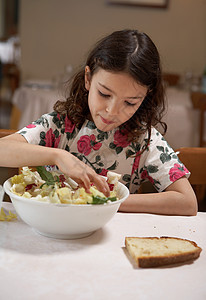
(87, 78)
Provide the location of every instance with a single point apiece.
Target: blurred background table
(181, 118)
(32, 101)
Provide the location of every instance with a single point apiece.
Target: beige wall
(55, 33)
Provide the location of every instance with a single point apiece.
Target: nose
(113, 108)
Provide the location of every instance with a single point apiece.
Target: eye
(130, 104)
(103, 95)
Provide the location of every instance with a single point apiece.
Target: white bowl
(65, 221)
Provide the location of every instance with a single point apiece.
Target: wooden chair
(7, 172)
(194, 158)
(11, 72)
(199, 102)
(10, 78)
(171, 79)
(5, 132)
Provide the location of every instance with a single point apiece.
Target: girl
(107, 123)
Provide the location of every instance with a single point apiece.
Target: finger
(101, 185)
(84, 182)
(90, 176)
(81, 184)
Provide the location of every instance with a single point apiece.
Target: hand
(80, 172)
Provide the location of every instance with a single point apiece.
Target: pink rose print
(121, 138)
(83, 145)
(145, 175)
(31, 126)
(57, 140)
(136, 162)
(69, 126)
(86, 143)
(50, 139)
(177, 172)
(103, 172)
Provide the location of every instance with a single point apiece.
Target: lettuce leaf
(100, 200)
(47, 176)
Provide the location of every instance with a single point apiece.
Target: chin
(105, 128)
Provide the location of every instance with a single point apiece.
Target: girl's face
(113, 98)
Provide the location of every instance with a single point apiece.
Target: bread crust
(162, 260)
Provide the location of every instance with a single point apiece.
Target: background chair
(194, 158)
(6, 173)
(199, 102)
(171, 79)
(5, 132)
(11, 72)
(9, 82)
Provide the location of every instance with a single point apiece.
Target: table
(33, 102)
(35, 267)
(7, 51)
(181, 118)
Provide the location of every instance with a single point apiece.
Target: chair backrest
(5, 132)
(199, 102)
(11, 72)
(8, 172)
(171, 79)
(194, 158)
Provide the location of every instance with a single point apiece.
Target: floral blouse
(104, 151)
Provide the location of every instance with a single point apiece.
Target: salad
(54, 187)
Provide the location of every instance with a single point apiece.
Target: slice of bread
(150, 252)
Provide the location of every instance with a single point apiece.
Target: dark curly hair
(131, 52)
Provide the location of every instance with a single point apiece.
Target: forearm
(18, 154)
(181, 201)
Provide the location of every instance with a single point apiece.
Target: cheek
(91, 108)
(95, 103)
(90, 100)
(130, 112)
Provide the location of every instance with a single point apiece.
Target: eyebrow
(108, 89)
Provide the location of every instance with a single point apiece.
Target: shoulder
(156, 141)
(53, 120)
(51, 125)
(157, 149)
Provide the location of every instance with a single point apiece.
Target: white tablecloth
(10, 51)
(34, 102)
(6, 52)
(35, 267)
(181, 118)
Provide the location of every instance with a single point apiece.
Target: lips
(106, 121)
